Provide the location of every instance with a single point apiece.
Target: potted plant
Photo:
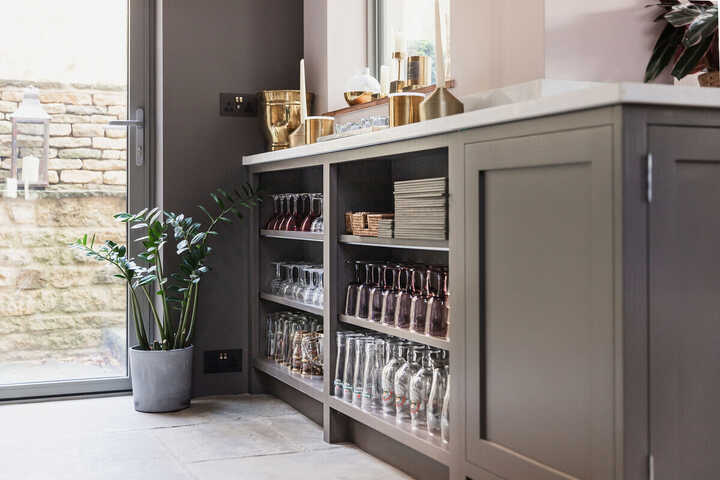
(161, 365)
(689, 40)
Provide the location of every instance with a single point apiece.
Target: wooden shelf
(441, 343)
(310, 386)
(410, 244)
(419, 440)
(306, 236)
(292, 303)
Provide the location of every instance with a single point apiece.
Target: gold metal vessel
(316, 127)
(440, 103)
(404, 108)
(418, 71)
(359, 97)
(279, 115)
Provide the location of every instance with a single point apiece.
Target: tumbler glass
(437, 394)
(369, 374)
(397, 352)
(359, 370)
(349, 371)
(297, 354)
(403, 376)
(340, 363)
(420, 386)
(445, 418)
(380, 361)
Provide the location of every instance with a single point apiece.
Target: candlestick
(384, 80)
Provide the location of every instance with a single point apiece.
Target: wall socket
(222, 361)
(238, 105)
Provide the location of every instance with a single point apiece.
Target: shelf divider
(441, 343)
(419, 440)
(409, 244)
(288, 235)
(292, 303)
(310, 386)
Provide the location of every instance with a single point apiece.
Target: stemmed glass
(418, 304)
(402, 309)
(308, 294)
(293, 219)
(317, 224)
(363, 295)
(319, 279)
(352, 291)
(303, 282)
(438, 309)
(312, 213)
(387, 316)
(289, 284)
(375, 300)
(276, 212)
(282, 213)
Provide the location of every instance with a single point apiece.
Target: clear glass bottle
(420, 386)
(437, 393)
(359, 370)
(397, 352)
(340, 363)
(445, 418)
(403, 377)
(368, 377)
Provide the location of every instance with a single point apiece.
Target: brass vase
(440, 103)
(280, 115)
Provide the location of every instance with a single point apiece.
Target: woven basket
(709, 79)
(348, 222)
(365, 224)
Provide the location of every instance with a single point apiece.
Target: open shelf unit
(366, 184)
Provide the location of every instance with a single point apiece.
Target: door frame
(140, 193)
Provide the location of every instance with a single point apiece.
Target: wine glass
(402, 308)
(312, 214)
(292, 221)
(319, 298)
(352, 290)
(276, 211)
(317, 224)
(376, 293)
(438, 312)
(387, 315)
(363, 296)
(418, 304)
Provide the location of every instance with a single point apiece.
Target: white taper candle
(303, 93)
(439, 54)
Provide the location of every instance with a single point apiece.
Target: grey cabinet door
(684, 286)
(540, 395)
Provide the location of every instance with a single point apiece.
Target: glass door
(71, 69)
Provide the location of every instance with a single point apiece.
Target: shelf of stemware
(314, 309)
(310, 386)
(409, 244)
(436, 342)
(417, 439)
(288, 235)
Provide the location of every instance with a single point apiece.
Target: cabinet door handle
(650, 177)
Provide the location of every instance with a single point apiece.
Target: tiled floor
(228, 437)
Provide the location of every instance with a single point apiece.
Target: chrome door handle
(139, 123)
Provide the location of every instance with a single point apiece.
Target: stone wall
(56, 304)
(84, 153)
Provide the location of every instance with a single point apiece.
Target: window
(412, 19)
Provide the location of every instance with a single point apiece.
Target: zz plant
(174, 316)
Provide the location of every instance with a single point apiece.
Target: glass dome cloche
(362, 88)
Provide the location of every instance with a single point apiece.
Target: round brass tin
(280, 115)
(358, 97)
(404, 108)
(418, 71)
(316, 127)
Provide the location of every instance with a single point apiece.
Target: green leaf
(204, 210)
(664, 51)
(224, 219)
(704, 25)
(682, 15)
(139, 225)
(197, 238)
(690, 58)
(218, 201)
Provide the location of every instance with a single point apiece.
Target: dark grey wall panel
(213, 47)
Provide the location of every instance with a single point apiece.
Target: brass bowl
(359, 97)
(279, 112)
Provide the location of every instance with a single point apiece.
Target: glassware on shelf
(363, 296)
(438, 309)
(359, 370)
(276, 282)
(296, 357)
(311, 355)
(317, 224)
(420, 386)
(340, 363)
(375, 300)
(397, 351)
(283, 212)
(387, 316)
(319, 285)
(314, 211)
(404, 298)
(436, 396)
(369, 383)
(403, 377)
(351, 295)
(349, 371)
(445, 417)
(418, 303)
(269, 225)
(298, 289)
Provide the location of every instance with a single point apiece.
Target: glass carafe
(420, 386)
(276, 213)
(445, 417)
(418, 303)
(437, 394)
(375, 300)
(340, 364)
(387, 315)
(438, 314)
(396, 351)
(363, 297)
(359, 370)
(404, 298)
(351, 295)
(403, 378)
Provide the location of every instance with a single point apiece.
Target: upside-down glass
(283, 212)
(351, 296)
(317, 224)
(420, 386)
(363, 296)
(359, 369)
(445, 417)
(276, 212)
(319, 287)
(437, 394)
(387, 316)
(402, 307)
(397, 352)
(375, 300)
(418, 303)
(438, 314)
(349, 371)
(313, 213)
(403, 378)
(340, 363)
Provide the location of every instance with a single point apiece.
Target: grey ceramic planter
(161, 380)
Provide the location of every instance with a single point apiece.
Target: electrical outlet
(222, 361)
(238, 105)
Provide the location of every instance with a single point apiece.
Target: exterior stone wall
(55, 303)
(84, 153)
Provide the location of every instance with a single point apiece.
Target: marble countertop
(594, 96)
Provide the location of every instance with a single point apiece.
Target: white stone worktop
(593, 96)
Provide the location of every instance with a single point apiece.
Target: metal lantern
(31, 112)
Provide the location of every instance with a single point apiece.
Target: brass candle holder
(418, 72)
(399, 84)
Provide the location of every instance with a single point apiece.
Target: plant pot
(161, 379)
(709, 79)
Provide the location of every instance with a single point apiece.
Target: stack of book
(385, 228)
(421, 210)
